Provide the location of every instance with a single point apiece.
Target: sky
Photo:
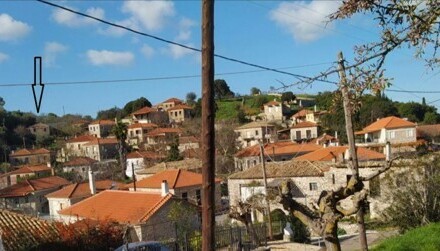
(290, 35)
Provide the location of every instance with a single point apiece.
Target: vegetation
(120, 131)
(222, 90)
(425, 238)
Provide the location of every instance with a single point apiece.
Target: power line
(407, 91)
(154, 78)
(298, 76)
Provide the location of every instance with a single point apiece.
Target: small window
(185, 196)
(199, 197)
(256, 132)
(333, 179)
(313, 186)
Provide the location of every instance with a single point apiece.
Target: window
(298, 135)
(313, 186)
(410, 133)
(199, 197)
(308, 134)
(256, 132)
(185, 196)
(392, 135)
(333, 179)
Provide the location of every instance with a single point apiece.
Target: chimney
(347, 154)
(388, 151)
(164, 190)
(336, 134)
(315, 108)
(52, 170)
(92, 182)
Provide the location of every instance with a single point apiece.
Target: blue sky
(275, 34)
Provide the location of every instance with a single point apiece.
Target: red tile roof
(428, 130)
(391, 122)
(173, 100)
(81, 138)
(82, 190)
(25, 152)
(163, 131)
(120, 206)
(28, 186)
(144, 110)
(28, 169)
(142, 125)
(304, 124)
(329, 153)
(103, 122)
(144, 155)
(80, 161)
(278, 148)
(301, 113)
(188, 140)
(180, 107)
(272, 103)
(176, 178)
(102, 141)
(324, 138)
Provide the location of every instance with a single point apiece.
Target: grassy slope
(227, 108)
(425, 238)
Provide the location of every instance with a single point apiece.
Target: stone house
(326, 140)
(137, 133)
(40, 130)
(139, 160)
(101, 149)
(180, 113)
(145, 214)
(252, 133)
(189, 164)
(275, 111)
(24, 172)
(279, 151)
(340, 154)
(29, 196)
(303, 131)
(79, 165)
(169, 103)
(31, 157)
(182, 183)
(75, 146)
(188, 142)
(163, 136)
(74, 193)
(101, 128)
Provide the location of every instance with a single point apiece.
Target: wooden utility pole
(269, 218)
(343, 86)
(208, 132)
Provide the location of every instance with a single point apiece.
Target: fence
(230, 238)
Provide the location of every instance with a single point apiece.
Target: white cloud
(51, 52)
(178, 52)
(147, 50)
(150, 14)
(3, 57)
(105, 57)
(185, 26)
(306, 21)
(70, 19)
(11, 29)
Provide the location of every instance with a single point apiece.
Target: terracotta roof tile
(81, 138)
(188, 140)
(24, 152)
(103, 122)
(329, 153)
(163, 131)
(28, 169)
(29, 186)
(144, 155)
(272, 103)
(301, 113)
(284, 169)
(144, 110)
(173, 100)
(323, 139)
(142, 125)
(391, 122)
(176, 178)
(132, 207)
(304, 124)
(102, 141)
(80, 161)
(180, 107)
(82, 190)
(278, 148)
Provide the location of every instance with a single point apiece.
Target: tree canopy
(222, 90)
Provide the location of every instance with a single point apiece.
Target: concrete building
(180, 113)
(137, 133)
(101, 149)
(252, 133)
(275, 111)
(303, 131)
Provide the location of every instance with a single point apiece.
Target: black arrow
(37, 72)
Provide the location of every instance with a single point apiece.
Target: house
(183, 184)
(252, 133)
(188, 142)
(279, 151)
(40, 130)
(300, 116)
(180, 113)
(275, 110)
(140, 159)
(190, 164)
(101, 128)
(137, 132)
(30, 156)
(326, 140)
(169, 103)
(145, 214)
(150, 115)
(341, 154)
(101, 148)
(21, 231)
(431, 133)
(75, 146)
(24, 172)
(163, 136)
(305, 115)
(29, 196)
(79, 165)
(74, 193)
(303, 131)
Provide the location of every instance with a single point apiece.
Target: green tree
(431, 118)
(288, 96)
(184, 216)
(255, 91)
(222, 90)
(191, 98)
(174, 153)
(135, 105)
(120, 131)
(110, 114)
